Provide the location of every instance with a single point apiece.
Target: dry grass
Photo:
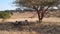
(17, 32)
(37, 28)
(50, 27)
(32, 16)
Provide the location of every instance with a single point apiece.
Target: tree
(41, 6)
(5, 15)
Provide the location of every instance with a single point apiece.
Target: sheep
(17, 23)
(22, 23)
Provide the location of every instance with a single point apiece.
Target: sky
(7, 5)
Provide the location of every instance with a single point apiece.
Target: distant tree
(5, 15)
(41, 6)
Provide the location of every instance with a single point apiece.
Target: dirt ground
(32, 16)
(49, 25)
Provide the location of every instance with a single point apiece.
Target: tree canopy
(31, 3)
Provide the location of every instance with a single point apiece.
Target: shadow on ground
(40, 28)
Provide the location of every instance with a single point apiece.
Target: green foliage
(30, 3)
(5, 15)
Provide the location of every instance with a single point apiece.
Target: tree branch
(43, 12)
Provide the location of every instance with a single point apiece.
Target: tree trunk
(39, 14)
(39, 17)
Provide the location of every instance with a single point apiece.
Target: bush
(5, 15)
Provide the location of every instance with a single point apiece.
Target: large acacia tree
(41, 6)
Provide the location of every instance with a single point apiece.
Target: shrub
(5, 15)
